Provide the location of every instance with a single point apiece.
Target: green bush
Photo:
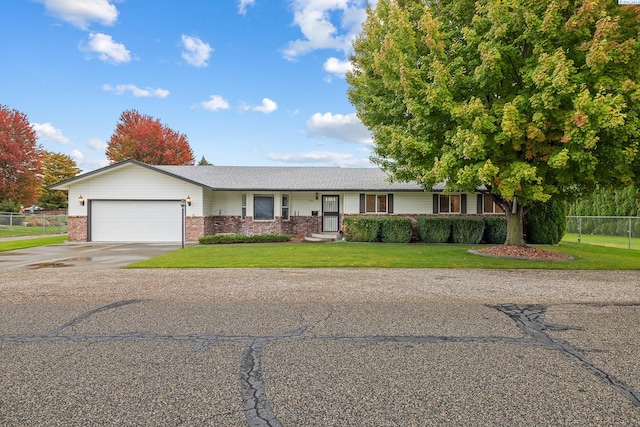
(545, 223)
(219, 239)
(8, 205)
(495, 230)
(434, 229)
(361, 229)
(395, 229)
(467, 230)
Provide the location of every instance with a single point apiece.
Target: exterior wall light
(81, 200)
(188, 200)
(316, 196)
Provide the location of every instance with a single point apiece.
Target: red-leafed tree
(20, 159)
(143, 138)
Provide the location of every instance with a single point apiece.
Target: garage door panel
(136, 221)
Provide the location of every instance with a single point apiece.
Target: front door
(330, 214)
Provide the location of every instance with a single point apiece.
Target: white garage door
(136, 221)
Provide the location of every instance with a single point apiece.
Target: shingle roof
(262, 178)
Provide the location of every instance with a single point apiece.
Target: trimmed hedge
(395, 229)
(361, 229)
(545, 223)
(219, 239)
(434, 229)
(467, 230)
(495, 230)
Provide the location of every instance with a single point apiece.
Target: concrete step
(321, 237)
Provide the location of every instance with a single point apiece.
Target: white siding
(133, 182)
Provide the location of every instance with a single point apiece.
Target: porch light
(316, 196)
(188, 200)
(81, 200)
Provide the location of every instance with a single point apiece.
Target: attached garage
(135, 221)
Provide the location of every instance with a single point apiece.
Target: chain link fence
(31, 224)
(615, 231)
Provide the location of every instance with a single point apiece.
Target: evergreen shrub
(395, 229)
(219, 239)
(361, 229)
(434, 229)
(495, 230)
(545, 223)
(467, 230)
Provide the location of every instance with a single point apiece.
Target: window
(285, 207)
(374, 203)
(449, 203)
(489, 206)
(263, 207)
(244, 206)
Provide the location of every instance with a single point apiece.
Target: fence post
(629, 233)
(11, 224)
(580, 229)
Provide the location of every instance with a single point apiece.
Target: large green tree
(531, 99)
(57, 167)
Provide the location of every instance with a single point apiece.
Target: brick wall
(77, 226)
(194, 228)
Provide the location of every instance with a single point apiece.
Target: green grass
(12, 245)
(19, 230)
(378, 255)
(610, 241)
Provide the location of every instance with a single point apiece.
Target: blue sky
(250, 82)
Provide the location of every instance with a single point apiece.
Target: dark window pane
(263, 208)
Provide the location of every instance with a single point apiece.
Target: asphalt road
(335, 347)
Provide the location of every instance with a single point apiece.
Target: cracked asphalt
(338, 347)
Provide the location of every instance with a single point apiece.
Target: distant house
(132, 201)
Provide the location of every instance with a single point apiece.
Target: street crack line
(530, 319)
(90, 313)
(257, 410)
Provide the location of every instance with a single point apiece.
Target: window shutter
(463, 203)
(479, 204)
(436, 199)
(362, 202)
(390, 203)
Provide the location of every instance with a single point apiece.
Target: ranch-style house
(132, 201)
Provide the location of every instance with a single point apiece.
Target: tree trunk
(515, 225)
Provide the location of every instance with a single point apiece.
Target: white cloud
(325, 24)
(327, 157)
(81, 12)
(268, 106)
(87, 164)
(107, 49)
(216, 102)
(337, 67)
(97, 144)
(242, 6)
(196, 52)
(136, 91)
(76, 155)
(48, 132)
(338, 126)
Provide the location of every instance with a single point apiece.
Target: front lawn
(12, 245)
(382, 255)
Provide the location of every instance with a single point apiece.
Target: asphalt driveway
(83, 255)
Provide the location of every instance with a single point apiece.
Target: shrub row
(469, 230)
(392, 229)
(432, 229)
(218, 239)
